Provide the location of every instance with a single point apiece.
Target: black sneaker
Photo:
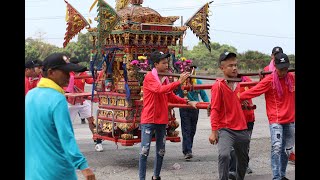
(249, 170)
(158, 178)
(284, 178)
(232, 175)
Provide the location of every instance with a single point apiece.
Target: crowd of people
(50, 141)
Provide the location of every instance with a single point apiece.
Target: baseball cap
(281, 60)
(37, 62)
(276, 50)
(226, 55)
(156, 56)
(59, 61)
(30, 64)
(74, 60)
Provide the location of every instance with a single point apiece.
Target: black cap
(38, 63)
(156, 56)
(60, 61)
(281, 60)
(30, 64)
(276, 50)
(226, 55)
(74, 60)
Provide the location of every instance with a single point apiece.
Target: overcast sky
(245, 24)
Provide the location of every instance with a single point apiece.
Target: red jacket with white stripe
(279, 109)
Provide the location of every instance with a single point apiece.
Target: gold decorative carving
(126, 136)
(159, 40)
(144, 39)
(165, 40)
(120, 4)
(136, 40)
(173, 41)
(114, 36)
(104, 100)
(126, 38)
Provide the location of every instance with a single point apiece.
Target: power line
(171, 9)
(217, 5)
(32, 1)
(263, 35)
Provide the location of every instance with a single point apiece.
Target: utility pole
(40, 35)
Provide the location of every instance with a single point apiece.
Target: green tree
(81, 49)
(35, 49)
(292, 60)
(253, 60)
(205, 60)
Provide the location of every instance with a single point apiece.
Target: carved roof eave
(170, 19)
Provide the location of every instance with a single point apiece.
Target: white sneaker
(99, 147)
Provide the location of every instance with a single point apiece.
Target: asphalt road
(118, 162)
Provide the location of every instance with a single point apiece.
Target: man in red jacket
(82, 108)
(157, 92)
(29, 73)
(38, 73)
(271, 67)
(279, 91)
(227, 120)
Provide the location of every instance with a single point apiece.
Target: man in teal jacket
(189, 117)
(51, 151)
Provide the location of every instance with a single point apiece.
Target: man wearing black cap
(157, 92)
(271, 67)
(38, 73)
(228, 120)
(75, 60)
(82, 108)
(28, 74)
(50, 145)
(279, 91)
(274, 51)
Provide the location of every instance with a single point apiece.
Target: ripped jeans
(282, 142)
(146, 137)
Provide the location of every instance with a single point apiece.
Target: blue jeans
(282, 142)
(146, 138)
(189, 120)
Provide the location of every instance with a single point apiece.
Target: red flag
(75, 23)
